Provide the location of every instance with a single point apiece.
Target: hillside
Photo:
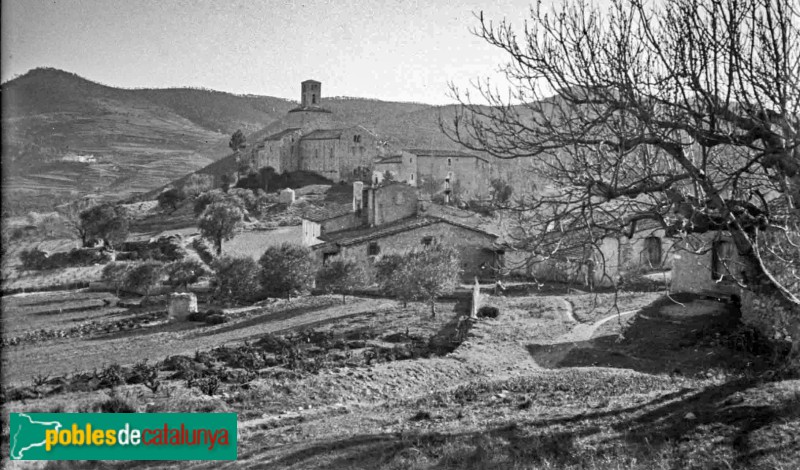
(65, 136)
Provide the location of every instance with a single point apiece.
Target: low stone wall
(771, 314)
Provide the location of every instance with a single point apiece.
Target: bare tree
(683, 112)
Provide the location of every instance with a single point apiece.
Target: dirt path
(21, 363)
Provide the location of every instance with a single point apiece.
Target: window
(331, 152)
(721, 257)
(357, 138)
(412, 176)
(427, 241)
(313, 98)
(373, 249)
(449, 162)
(652, 251)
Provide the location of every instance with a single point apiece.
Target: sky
(385, 49)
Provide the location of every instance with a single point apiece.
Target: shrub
(196, 184)
(197, 316)
(488, 312)
(216, 319)
(203, 250)
(209, 385)
(184, 272)
(235, 278)
(286, 269)
(169, 199)
(33, 259)
(144, 277)
(145, 374)
(115, 274)
(115, 404)
(341, 275)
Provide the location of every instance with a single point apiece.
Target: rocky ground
(662, 387)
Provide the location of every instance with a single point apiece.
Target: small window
(313, 98)
(357, 138)
(427, 241)
(412, 176)
(373, 249)
(449, 162)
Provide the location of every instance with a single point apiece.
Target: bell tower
(311, 94)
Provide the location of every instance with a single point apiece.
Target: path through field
(22, 363)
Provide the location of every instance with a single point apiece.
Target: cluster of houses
(389, 213)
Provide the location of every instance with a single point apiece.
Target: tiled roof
(360, 235)
(390, 159)
(281, 134)
(319, 214)
(323, 134)
(443, 153)
(315, 109)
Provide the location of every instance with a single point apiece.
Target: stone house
(385, 219)
(452, 172)
(401, 165)
(371, 206)
(707, 263)
(568, 259)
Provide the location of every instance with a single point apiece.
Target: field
(371, 384)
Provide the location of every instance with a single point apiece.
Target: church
(309, 140)
(311, 143)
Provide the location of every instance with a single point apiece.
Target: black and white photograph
(400, 234)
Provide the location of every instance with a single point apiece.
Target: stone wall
(470, 174)
(771, 314)
(692, 272)
(393, 202)
(473, 247)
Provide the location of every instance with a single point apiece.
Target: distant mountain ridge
(140, 139)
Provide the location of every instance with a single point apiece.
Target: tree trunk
(219, 247)
(433, 309)
(344, 299)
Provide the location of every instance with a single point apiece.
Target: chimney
(358, 196)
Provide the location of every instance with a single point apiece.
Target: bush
(341, 275)
(488, 312)
(115, 274)
(216, 319)
(184, 272)
(197, 316)
(33, 259)
(115, 404)
(203, 250)
(235, 278)
(286, 270)
(142, 278)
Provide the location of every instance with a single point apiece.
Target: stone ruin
(181, 305)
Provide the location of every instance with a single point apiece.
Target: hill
(65, 136)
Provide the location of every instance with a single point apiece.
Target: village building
(386, 219)
(451, 172)
(565, 257)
